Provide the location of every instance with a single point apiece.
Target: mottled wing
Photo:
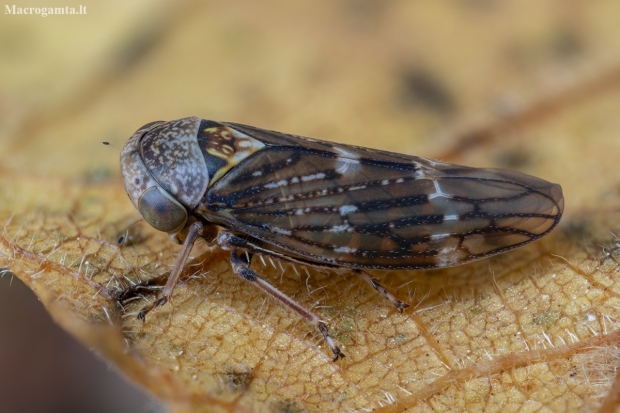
(356, 207)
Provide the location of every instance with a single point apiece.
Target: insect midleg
(240, 264)
(228, 240)
(195, 230)
(384, 291)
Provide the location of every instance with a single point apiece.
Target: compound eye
(161, 211)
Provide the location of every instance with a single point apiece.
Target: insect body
(251, 190)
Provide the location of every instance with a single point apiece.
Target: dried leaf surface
(530, 326)
(533, 329)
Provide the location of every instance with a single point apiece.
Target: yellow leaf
(536, 328)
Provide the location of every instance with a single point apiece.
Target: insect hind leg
(240, 261)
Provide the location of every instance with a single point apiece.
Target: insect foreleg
(195, 230)
(240, 264)
(384, 291)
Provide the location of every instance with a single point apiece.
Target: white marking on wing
(280, 230)
(438, 191)
(346, 153)
(448, 257)
(341, 228)
(345, 249)
(313, 177)
(342, 164)
(345, 209)
(355, 188)
(278, 184)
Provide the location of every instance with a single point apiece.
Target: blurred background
(493, 83)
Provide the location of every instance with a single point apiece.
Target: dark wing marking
(342, 205)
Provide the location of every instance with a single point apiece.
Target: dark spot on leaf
(476, 310)
(420, 88)
(140, 43)
(481, 4)
(546, 318)
(237, 381)
(287, 406)
(513, 158)
(578, 229)
(566, 44)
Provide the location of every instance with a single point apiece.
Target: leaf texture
(533, 329)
